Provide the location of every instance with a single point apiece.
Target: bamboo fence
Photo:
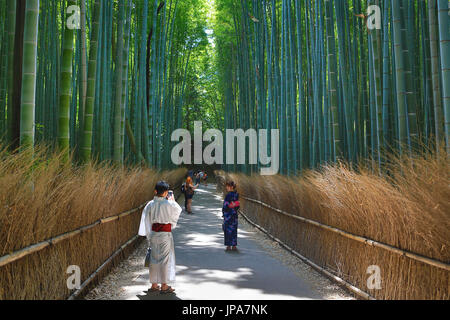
(36, 272)
(333, 277)
(411, 255)
(14, 256)
(85, 285)
(408, 275)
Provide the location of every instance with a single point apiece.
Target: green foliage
(334, 88)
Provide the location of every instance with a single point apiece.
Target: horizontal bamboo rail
(373, 243)
(333, 277)
(14, 256)
(9, 258)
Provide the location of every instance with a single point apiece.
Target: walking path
(259, 271)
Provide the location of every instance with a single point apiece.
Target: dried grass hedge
(408, 209)
(41, 197)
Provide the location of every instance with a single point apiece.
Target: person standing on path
(159, 218)
(205, 178)
(198, 177)
(189, 190)
(230, 215)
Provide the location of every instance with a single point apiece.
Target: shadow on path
(206, 271)
(148, 295)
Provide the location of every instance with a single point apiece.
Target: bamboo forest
(93, 93)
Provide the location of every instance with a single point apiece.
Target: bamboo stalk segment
(22, 253)
(64, 237)
(110, 219)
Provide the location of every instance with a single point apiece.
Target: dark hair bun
(231, 184)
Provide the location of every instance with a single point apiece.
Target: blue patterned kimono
(230, 217)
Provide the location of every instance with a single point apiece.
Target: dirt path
(262, 270)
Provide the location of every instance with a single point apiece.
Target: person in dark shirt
(230, 216)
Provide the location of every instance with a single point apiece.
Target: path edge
(341, 282)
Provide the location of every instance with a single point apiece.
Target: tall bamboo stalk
(3, 68)
(27, 124)
(444, 36)
(65, 93)
(118, 102)
(400, 75)
(86, 142)
(12, 7)
(332, 78)
(83, 68)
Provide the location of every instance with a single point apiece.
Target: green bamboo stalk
(65, 93)
(161, 110)
(27, 106)
(386, 74)
(11, 28)
(292, 91)
(408, 55)
(86, 142)
(142, 121)
(83, 70)
(100, 116)
(435, 72)
(74, 106)
(107, 107)
(151, 79)
(345, 72)
(364, 124)
(118, 103)
(130, 135)
(282, 113)
(426, 89)
(444, 36)
(302, 106)
(375, 36)
(3, 68)
(400, 76)
(125, 66)
(332, 76)
(136, 107)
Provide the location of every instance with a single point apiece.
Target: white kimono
(162, 261)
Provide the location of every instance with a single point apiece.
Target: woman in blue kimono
(230, 215)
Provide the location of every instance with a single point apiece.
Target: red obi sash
(234, 204)
(157, 227)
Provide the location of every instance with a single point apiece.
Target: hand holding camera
(170, 196)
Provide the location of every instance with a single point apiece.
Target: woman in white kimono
(159, 218)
